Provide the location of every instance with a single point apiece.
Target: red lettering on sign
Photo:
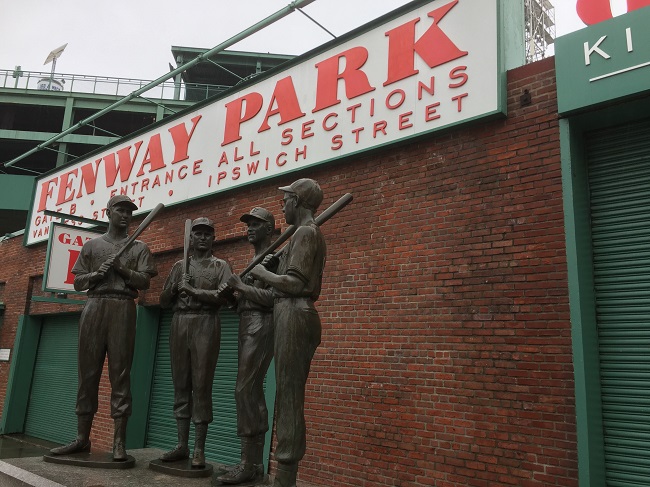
(286, 104)
(355, 81)
(181, 139)
(65, 186)
(153, 155)
(237, 112)
(125, 164)
(458, 73)
(434, 47)
(46, 192)
(88, 178)
(73, 256)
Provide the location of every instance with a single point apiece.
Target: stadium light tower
(539, 18)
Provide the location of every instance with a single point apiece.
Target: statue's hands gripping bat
(111, 261)
(269, 259)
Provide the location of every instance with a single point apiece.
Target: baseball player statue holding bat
(191, 290)
(112, 268)
(255, 347)
(297, 285)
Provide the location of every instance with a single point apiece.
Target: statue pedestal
(181, 468)
(91, 460)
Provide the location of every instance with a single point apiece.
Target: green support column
(584, 335)
(23, 358)
(512, 37)
(160, 113)
(146, 337)
(67, 123)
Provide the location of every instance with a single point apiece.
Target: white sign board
(417, 72)
(62, 252)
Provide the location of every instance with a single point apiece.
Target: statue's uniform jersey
(107, 323)
(305, 258)
(94, 253)
(206, 276)
(297, 335)
(195, 336)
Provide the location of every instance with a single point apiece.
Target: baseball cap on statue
(308, 192)
(121, 198)
(203, 222)
(259, 214)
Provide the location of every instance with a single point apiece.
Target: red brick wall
(446, 352)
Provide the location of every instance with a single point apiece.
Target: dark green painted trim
(575, 189)
(584, 335)
(146, 337)
(29, 212)
(23, 359)
(511, 34)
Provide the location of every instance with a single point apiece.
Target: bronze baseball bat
(145, 223)
(186, 246)
(337, 206)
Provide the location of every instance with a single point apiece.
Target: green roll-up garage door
(51, 411)
(222, 443)
(619, 181)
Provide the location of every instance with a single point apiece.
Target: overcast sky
(133, 38)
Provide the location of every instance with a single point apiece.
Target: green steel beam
(15, 191)
(72, 138)
(297, 4)
(66, 123)
(315, 22)
(158, 105)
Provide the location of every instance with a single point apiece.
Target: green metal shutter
(222, 443)
(51, 410)
(619, 181)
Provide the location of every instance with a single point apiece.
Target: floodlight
(55, 54)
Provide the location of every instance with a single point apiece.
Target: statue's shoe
(119, 452)
(75, 446)
(198, 460)
(244, 472)
(179, 453)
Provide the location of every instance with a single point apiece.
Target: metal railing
(103, 85)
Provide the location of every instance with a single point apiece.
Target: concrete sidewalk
(18, 446)
(22, 465)
(35, 472)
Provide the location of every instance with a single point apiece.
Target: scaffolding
(539, 19)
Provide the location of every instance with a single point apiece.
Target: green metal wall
(51, 410)
(619, 182)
